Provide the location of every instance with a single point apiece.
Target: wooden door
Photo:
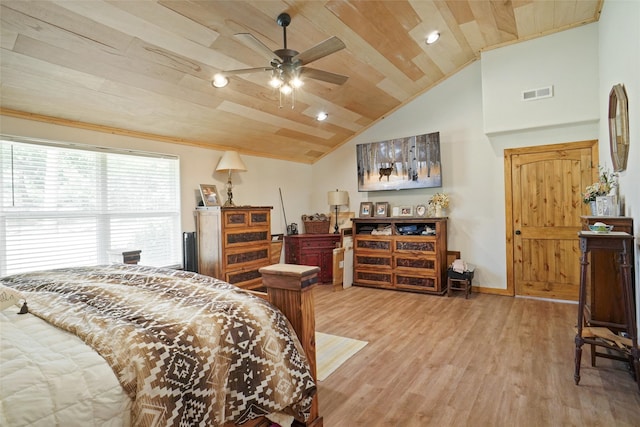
(544, 205)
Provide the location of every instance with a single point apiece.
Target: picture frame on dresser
(209, 194)
(366, 210)
(382, 209)
(421, 211)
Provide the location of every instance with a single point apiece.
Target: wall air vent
(531, 94)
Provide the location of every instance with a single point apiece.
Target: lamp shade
(231, 161)
(338, 198)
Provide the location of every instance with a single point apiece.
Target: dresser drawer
(371, 260)
(246, 256)
(329, 242)
(372, 277)
(420, 264)
(245, 237)
(249, 278)
(415, 281)
(373, 244)
(414, 245)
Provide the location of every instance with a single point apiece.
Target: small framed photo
(210, 196)
(406, 211)
(366, 209)
(421, 210)
(382, 209)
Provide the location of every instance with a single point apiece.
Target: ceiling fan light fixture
(296, 82)
(275, 82)
(219, 81)
(432, 38)
(285, 89)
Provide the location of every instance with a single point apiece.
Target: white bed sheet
(49, 377)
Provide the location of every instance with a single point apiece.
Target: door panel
(546, 205)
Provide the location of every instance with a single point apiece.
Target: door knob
(518, 232)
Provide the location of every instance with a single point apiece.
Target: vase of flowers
(438, 202)
(606, 183)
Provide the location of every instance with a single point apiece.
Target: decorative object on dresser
(598, 195)
(405, 211)
(317, 223)
(230, 162)
(382, 209)
(366, 210)
(438, 203)
(209, 195)
(400, 253)
(337, 199)
(421, 210)
(312, 249)
(233, 243)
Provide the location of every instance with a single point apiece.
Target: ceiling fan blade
(245, 71)
(253, 43)
(325, 76)
(320, 50)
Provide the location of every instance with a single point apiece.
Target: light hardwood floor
(486, 361)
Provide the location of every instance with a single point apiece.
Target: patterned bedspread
(188, 349)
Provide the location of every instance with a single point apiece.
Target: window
(64, 205)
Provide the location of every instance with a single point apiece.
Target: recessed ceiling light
(220, 81)
(433, 37)
(322, 116)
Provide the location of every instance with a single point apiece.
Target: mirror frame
(619, 127)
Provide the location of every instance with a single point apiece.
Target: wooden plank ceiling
(144, 68)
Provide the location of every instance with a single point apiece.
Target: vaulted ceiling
(144, 68)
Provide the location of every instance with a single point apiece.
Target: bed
(124, 345)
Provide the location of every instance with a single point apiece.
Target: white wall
(567, 60)
(257, 187)
(619, 44)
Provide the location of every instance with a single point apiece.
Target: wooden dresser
(604, 303)
(405, 259)
(234, 243)
(312, 249)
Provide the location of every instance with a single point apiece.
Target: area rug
(332, 351)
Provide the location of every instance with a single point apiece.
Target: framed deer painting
(400, 164)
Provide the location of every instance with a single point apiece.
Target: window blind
(65, 205)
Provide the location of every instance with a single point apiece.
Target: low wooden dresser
(400, 253)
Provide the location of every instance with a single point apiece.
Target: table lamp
(337, 199)
(230, 162)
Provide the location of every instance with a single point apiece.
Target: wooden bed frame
(289, 287)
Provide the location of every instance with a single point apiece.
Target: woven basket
(316, 227)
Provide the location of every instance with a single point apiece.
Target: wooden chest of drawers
(235, 245)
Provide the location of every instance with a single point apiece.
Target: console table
(620, 243)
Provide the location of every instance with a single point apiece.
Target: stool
(459, 281)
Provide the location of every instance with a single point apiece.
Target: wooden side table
(621, 243)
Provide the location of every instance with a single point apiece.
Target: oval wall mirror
(618, 127)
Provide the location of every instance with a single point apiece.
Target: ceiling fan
(287, 65)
